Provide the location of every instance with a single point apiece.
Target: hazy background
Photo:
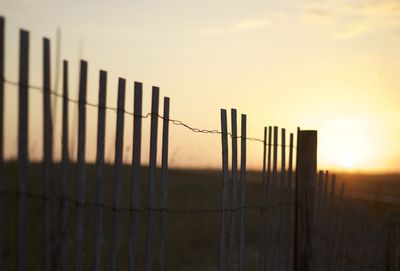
(326, 65)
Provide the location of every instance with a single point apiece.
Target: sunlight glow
(348, 160)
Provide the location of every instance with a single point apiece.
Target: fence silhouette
(305, 223)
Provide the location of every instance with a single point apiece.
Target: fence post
(243, 192)
(152, 177)
(23, 150)
(135, 174)
(288, 202)
(81, 165)
(263, 204)
(47, 161)
(2, 185)
(65, 171)
(234, 189)
(273, 198)
(164, 184)
(117, 200)
(268, 234)
(99, 182)
(225, 177)
(282, 207)
(306, 175)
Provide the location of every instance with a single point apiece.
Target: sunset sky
(332, 66)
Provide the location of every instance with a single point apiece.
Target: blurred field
(193, 239)
(380, 193)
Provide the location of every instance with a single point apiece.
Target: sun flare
(348, 160)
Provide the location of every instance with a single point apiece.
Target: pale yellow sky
(325, 65)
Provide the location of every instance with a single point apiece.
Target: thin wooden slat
(99, 180)
(268, 217)
(2, 184)
(331, 212)
(273, 199)
(135, 175)
(23, 150)
(338, 228)
(81, 171)
(289, 190)
(296, 209)
(64, 262)
(243, 192)
(117, 199)
(164, 184)
(263, 204)
(318, 220)
(47, 160)
(324, 219)
(347, 239)
(225, 177)
(282, 207)
(232, 241)
(152, 178)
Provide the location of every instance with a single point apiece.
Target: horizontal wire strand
(114, 109)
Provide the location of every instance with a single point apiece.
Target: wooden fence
(305, 222)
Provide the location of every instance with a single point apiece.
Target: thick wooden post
(306, 175)
(164, 184)
(81, 171)
(23, 150)
(225, 177)
(234, 190)
(101, 125)
(152, 178)
(47, 161)
(135, 175)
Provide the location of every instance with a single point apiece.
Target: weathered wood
(225, 177)
(99, 180)
(117, 199)
(48, 218)
(64, 261)
(274, 200)
(81, 176)
(263, 227)
(152, 178)
(339, 228)
(164, 184)
(135, 175)
(289, 199)
(232, 241)
(296, 209)
(318, 221)
(306, 174)
(2, 179)
(282, 204)
(324, 217)
(242, 193)
(23, 155)
(268, 217)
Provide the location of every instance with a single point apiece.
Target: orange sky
(325, 65)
